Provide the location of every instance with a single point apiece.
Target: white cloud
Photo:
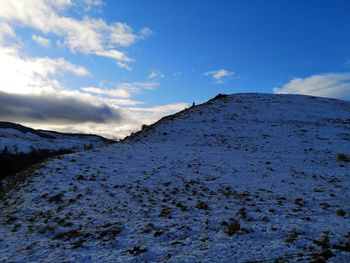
(121, 34)
(90, 4)
(123, 90)
(137, 87)
(145, 32)
(156, 74)
(116, 93)
(125, 102)
(219, 76)
(332, 85)
(33, 75)
(6, 31)
(88, 35)
(42, 41)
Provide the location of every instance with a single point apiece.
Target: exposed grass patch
(202, 205)
(78, 244)
(69, 235)
(165, 212)
(136, 250)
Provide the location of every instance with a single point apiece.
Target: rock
(202, 205)
(233, 228)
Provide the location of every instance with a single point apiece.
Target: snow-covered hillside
(17, 138)
(242, 178)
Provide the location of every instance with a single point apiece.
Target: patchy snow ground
(17, 141)
(243, 178)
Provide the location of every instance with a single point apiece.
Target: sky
(107, 67)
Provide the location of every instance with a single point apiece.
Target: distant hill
(18, 138)
(240, 178)
(23, 129)
(21, 146)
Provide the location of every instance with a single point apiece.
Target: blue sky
(137, 61)
(266, 43)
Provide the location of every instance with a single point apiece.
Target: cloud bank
(55, 108)
(331, 85)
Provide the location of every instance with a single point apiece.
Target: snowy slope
(17, 138)
(242, 178)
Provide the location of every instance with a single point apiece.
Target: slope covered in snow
(20, 139)
(21, 147)
(241, 178)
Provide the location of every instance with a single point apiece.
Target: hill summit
(240, 178)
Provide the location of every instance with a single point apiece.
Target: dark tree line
(12, 163)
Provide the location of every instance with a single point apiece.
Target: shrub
(343, 157)
(233, 228)
(88, 146)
